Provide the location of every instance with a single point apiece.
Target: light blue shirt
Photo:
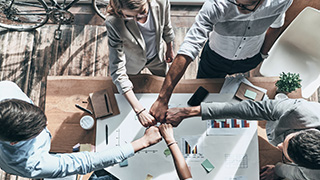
(31, 158)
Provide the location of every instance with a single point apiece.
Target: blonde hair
(115, 6)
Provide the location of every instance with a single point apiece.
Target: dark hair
(304, 148)
(20, 120)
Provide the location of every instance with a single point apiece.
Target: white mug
(87, 122)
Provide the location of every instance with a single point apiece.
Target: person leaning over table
(292, 126)
(136, 31)
(236, 35)
(25, 142)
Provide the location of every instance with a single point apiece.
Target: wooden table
(63, 92)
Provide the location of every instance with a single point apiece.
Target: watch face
(264, 56)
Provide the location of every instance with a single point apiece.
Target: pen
(83, 109)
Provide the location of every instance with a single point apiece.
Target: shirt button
(239, 47)
(244, 38)
(248, 27)
(235, 55)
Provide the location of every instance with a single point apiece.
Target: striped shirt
(231, 34)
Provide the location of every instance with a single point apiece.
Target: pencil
(83, 109)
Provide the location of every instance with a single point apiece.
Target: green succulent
(288, 82)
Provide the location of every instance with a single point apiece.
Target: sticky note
(124, 163)
(221, 120)
(86, 147)
(149, 177)
(207, 165)
(250, 94)
(167, 152)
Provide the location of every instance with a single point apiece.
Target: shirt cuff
(124, 86)
(188, 50)
(127, 150)
(169, 38)
(205, 111)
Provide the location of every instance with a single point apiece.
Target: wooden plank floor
(27, 58)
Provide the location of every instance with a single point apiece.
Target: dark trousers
(212, 65)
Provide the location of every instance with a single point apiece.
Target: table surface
(63, 92)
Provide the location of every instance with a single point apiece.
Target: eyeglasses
(285, 160)
(142, 14)
(245, 7)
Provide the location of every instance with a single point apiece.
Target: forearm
(179, 162)
(61, 165)
(193, 111)
(169, 45)
(139, 144)
(271, 36)
(133, 101)
(175, 73)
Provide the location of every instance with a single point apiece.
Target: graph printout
(192, 148)
(228, 126)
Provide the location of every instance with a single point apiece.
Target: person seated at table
(25, 142)
(182, 169)
(136, 31)
(292, 125)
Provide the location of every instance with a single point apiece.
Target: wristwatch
(264, 56)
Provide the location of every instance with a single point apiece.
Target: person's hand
(166, 131)
(152, 136)
(175, 116)
(158, 110)
(268, 173)
(169, 55)
(146, 119)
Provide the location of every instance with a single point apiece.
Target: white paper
(124, 128)
(231, 85)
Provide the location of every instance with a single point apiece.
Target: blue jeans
(212, 65)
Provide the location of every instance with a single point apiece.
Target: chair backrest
(297, 50)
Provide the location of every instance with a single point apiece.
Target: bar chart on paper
(191, 148)
(228, 126)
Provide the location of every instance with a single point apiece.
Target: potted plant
(288, 82)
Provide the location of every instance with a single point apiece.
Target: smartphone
(197, 97)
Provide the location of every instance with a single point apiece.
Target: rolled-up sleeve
(199, 31)
(279, 22)
(117, 60)
(168, 33)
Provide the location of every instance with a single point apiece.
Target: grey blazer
(127, 51)
(283, 117)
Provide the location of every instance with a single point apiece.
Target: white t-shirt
(148, 32)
